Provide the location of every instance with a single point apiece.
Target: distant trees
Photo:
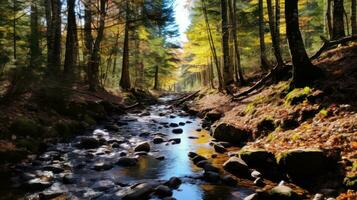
(338, 26)
(353, 17)
(34, 41)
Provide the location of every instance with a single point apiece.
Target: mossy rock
(261, 160)
(351, 182)
(229, 133)
(266, 126)
(26, 127)
(305, 163)
(298, 95)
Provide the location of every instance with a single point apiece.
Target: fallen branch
(187, 98)
(327, 44)
(132, 106)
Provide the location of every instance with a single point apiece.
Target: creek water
(76, 165)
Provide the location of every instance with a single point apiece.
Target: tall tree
(338, 28)
(88, 38)
(227, 68)
(329, 18)
(353, 17)
(212, 45)
(233, 14)
(263, 58)
(71, 53)
(125, 74)
(95, 54)
(35, 52)
(53, 18)
(274, 36)
(304, 72)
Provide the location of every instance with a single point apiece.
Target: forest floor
(322, 116)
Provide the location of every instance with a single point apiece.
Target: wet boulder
(158, 140)
(261, 160)
(219, 148)
(163, 191)
(213, 116)
(229, 133)
(102, 166)
(139, 191)
(37, 184)
(282, 193)
(177, 131)
(127, 161)
(89, 143)
(174, 125)
(103, 185)
(212, 177)
(229, 180)
(174, 182)
(144, 146)
(276, 193)
(304, 163)
(237, 167)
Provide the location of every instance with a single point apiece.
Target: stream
(87, 166)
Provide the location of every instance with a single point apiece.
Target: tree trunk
(71, 54)
(329, 18)
(35, 52)
(14, 31)
(212, 45)
(263, 58)
(211, 74)
(156, 79)
(304, 72)
(95, 55)
(233, 14)
(48, 12)
(274, 37)
(277, 23)
(338, 22)
(55, 57)
(227, 68)
(353, 17)
(125, 74)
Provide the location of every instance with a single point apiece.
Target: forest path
(144, 146)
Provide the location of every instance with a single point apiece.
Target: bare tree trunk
(263, 58)
(274, 37)
(212, 46)
(329, 18)
(125, 75)
(35, 52)
(14, 31)
(71, 54)
(211, 74)
(55, 57)
(304, 72)
(233, 14)
(95, 55)
(156, 79)
(227, 68)
(353, 17)
(338, 22)
(48, 12)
